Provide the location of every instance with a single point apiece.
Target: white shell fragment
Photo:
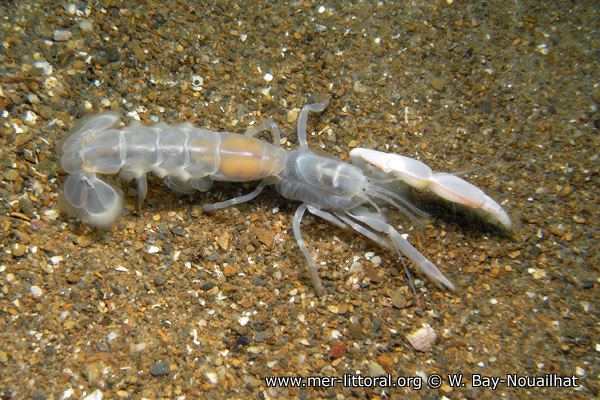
(36, 291)
(422, 339)
(197, 82)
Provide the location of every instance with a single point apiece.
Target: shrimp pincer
(190, 158)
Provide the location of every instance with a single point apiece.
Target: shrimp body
(190, 158)
(187, 158)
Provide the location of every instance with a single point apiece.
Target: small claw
(447, 186)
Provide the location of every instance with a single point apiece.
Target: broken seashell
(422, 339)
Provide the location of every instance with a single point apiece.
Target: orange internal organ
(244, 158)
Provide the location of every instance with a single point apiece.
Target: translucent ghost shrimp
(190, 158)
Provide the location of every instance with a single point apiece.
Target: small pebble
(86, 25)
(61, 35)
(375, 369)
(359, 87)
(11, 175)
(355, 331)
(18, 250)
(385, 361)
(78, 64)
(95, 395)
(161, 368)
(178, 231)
(438, 84)
(84, 241)
(71, 8)
(292, 115)
(112, 54)
(230, 270)
(268, 77)
(51, 214)
(266, 237)
(223, 240)
(539, 274)
(36, 291)
(212, 377)
(338, 349)
(72, 278)
(398, 299)
(55, 260)
(137, 51)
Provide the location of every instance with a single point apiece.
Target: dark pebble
(571, 330)
(207, 286)
(241, 341)
(112, 54)
(27, 207)
(259, 281)
(475, 318)
(103, 347)
(535, 251)
(283, 362)
(159, 280)
(587, 284)
(178, 231)
(49, 351)
(376, 325)
(161, 368)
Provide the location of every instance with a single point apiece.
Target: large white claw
(457, 190)
(447, 186)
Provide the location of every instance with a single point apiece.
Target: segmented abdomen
(180, 151)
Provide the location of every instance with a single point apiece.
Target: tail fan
(92, 200)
